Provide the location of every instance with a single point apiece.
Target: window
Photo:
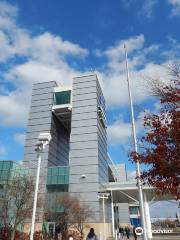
(63, 97)
(134, 210)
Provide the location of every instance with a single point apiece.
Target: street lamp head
(104, 195)
(43, 140)
(44, 137)
(38, 146)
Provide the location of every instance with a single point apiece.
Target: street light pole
(141, 203)
(103, 196)
(35, 194)
(43, 140)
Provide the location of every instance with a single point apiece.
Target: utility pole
(139, 184)
(103, 196)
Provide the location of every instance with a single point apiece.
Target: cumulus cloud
(35, 59)
(175, 11)
(115, 54)
(114, 76)
(43, 57)
(119, 132)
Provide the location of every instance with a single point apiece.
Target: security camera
(83, 176)
(44, 137)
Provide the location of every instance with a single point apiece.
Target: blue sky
(45, 40)
(56, 40)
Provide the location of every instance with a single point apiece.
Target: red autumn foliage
(160, 150)
(5, 234)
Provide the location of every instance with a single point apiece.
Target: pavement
(158, 237)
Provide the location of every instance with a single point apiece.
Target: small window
(63, 97)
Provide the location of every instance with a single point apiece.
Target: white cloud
(175, 11)
(14, 108)
(119, 132)
(147, 8)
(44, 59)
(114, 77)
(115, 54)
(20, 138)
(3, 151)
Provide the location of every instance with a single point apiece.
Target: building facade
(76, 118)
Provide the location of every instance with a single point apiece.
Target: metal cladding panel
(43, 96)
(79, 170)
(42, 109)
(84, 123)
(86, 90)
(85, 186)
(39, 128)
(78, 161)
(39, 121)
(88, 102)
(122, 176)
(83, 137)
(36, 125)
(40, 85)
(89, 178)
(88, 147)
(83, 130)
(86, 96)
(102, 140)
(85, 116)
(83, 145)
(45, 114)
(41, 102)
(84, 109)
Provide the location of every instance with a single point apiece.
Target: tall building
(76, 159)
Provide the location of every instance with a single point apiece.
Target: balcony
(62, 105)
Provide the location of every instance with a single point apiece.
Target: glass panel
(133, 210)
(66, 179)
(6, 165)
(49, 171)
(61, 179)
(54, 171)
(1, 164)
(61, 170)
(62, 97)
(54, 180)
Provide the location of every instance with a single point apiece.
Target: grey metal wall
(39, 121)
(122, 174)
(123, 208)
(124, 217)
(87, 143)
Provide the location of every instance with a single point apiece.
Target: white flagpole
(141, 203)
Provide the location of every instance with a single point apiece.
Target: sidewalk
(157, 237)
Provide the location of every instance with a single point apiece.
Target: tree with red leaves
(70, 215)
(160, 146)
(15, 206)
